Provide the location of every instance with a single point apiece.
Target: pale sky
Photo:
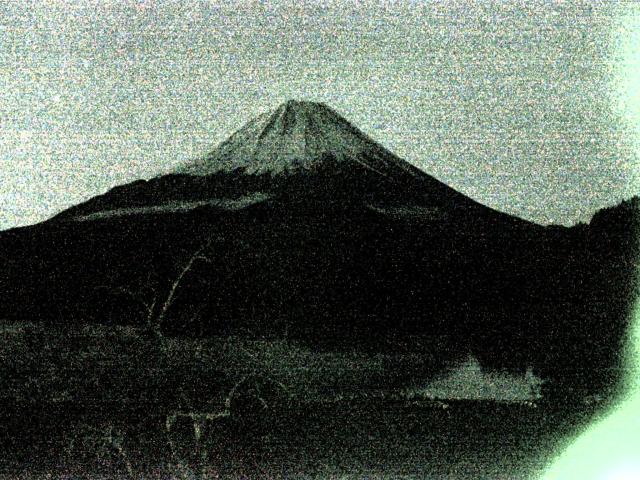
(530, 107)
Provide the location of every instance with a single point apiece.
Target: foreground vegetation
(91, 401)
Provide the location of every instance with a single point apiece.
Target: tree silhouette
(157, 295)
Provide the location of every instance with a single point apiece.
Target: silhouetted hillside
(336, 243)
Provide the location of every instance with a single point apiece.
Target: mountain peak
(297, 136)
(293, 104)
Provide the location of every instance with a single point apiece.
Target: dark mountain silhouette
(319, 233)
(299, 153)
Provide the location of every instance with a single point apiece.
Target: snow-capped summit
(296, 137)
(298, 153)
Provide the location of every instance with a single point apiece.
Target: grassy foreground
(105, 402)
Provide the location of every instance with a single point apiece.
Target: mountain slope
(301, 155)
(298, 137)
(302, 206)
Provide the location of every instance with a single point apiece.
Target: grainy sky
(531, 107)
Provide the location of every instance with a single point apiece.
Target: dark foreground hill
(314, 232)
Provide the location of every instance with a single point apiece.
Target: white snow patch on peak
(297, 135)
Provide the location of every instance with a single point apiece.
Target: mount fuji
(299, 152)
(320, 234)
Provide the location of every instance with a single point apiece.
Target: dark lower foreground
(89, 402)
(373, 439)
